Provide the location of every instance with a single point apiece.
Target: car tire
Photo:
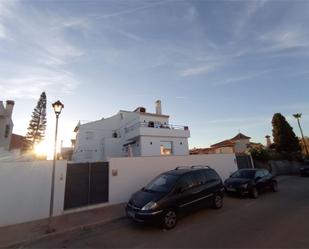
(274, 187)
(254, 193)
(217, 201)
(169, 219)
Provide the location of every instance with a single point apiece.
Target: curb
(71, 229)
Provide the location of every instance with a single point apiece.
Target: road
(273, 220)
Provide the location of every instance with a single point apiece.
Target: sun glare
(43, 149)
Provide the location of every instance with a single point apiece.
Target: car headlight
(244, 185)
(149, 206)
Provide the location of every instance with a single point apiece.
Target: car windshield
(249, 174)
(163, 183)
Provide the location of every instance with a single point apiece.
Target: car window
(259, 173)
(212, 175)
(185, 182)
(243, 173)
(162, 183)
(199, 177)
(266, 172)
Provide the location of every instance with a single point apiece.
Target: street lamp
(58, 106)
(298, 117)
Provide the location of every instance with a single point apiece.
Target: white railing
(155, 125)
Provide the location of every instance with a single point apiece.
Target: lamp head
(58, 106)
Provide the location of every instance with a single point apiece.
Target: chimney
(9, 107)
(158, 107)
(268, 141)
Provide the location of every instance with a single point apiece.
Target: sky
(219, 67)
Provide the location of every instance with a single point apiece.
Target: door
(260, 180)
(185, 192)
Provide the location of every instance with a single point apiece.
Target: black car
(250, 182)
(304, 170)
(172, 192)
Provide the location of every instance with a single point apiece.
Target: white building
(6, 124)
(130, 133)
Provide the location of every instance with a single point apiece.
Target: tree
(37, 125)
(285, 139)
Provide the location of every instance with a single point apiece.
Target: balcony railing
(155, 126)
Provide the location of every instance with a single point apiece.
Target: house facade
(238, 144)
(6, 124)
(130, 134)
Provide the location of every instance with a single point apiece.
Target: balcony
(157, 130)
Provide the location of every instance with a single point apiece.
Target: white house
(130, 133)
(238, 144)
(6, 124)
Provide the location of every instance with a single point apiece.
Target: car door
(200, 189)
(213, 184)
(268, 178)
(260, 179)
(185, 192)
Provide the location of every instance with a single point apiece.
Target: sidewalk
(24, 232)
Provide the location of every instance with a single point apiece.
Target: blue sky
(217, 66)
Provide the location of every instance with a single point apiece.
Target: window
(166, 148)
(163, 183)
(259, 173)
(89, 135)
(7, 131)
(184, 183)
(199, 177)
(266, 172)
(211, 175)
(247, 174)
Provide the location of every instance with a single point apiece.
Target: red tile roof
(225, 143)
(239, 136)
(230, 142)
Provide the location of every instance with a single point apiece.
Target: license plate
(131, 214)
(231, 189)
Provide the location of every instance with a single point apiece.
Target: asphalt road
(274, 220)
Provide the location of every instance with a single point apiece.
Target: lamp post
(298, 117)
(57, 106)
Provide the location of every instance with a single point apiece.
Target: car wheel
(169, 219)
(254, 193)
(274, 187)
(218, 201)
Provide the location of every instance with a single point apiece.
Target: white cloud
(251, 8)
(30, 82)
(231, 80)
(285, 38)
(204, 69)
(41, 53)
(191, 14)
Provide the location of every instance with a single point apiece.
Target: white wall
(135, 172)
(25, 190)
(148, 149)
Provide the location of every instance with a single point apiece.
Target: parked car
(250, 182)
(304, 170)
(172, 192)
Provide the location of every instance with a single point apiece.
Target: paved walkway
(24, 232)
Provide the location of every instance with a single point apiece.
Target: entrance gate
(86, 184)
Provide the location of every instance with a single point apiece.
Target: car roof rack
(200, 166)
(182, 167)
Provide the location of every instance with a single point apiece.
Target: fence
(25, 190)
(127, 175)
